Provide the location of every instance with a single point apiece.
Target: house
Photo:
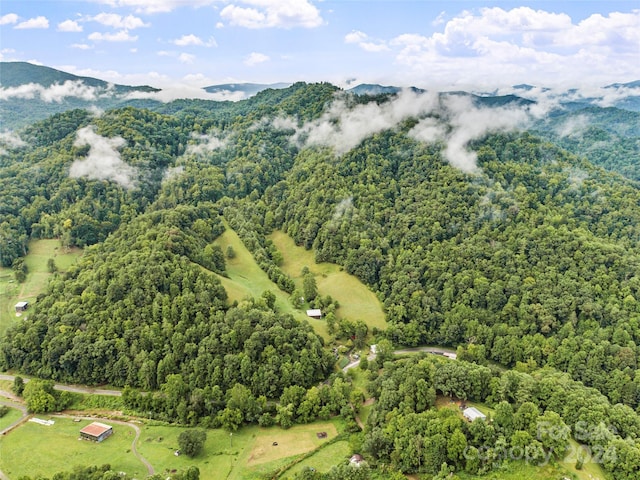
(356, 460)
(96, 432)
(314, 313)
(21, 306)
(472, 413)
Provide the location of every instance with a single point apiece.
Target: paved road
(16, 405)
(72, 388)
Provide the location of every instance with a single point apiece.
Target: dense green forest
(530, 260)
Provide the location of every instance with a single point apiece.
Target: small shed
(21, 306)
(314, 313)
(96, 432)
(472, 413)
(356, 460)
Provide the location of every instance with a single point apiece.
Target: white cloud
(114, 20)
(69, 26)
(272, 14)
(10, 141)
(186, 57)
(452, 120)
(255, 58)
(81, 46)
(55, 93)
(157, 6)
(522, 45)
(204, 144)
(176, 92)
(364, 42)
(9, 19)
(121, 36)
(103, 161)
(194, 40)
(344, 128)
(33, 23)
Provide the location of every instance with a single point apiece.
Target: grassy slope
(357, 302)
(246, 279)
(37, 277)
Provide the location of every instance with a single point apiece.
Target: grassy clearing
(37, 277)
(246, 279)
(519, 471)
(248, 454)
(34, 449)
(357, 302)
(324, 459)
(13, 415)
(590, 470)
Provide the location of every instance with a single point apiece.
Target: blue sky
(423, 43)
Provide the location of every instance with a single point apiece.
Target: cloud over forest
(103, 162)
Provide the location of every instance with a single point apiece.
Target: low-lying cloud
(453, 120)
(204, 144)
(10, 141)
(56, 92)
(343, 128)
(103, 161)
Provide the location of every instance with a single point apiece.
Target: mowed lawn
(11, 292)
(247, 279)
(34, 449)
(13, 415)
(357, 301)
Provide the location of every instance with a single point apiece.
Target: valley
(172, 253)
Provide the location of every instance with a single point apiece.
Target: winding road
(71, 388)
(447, 352)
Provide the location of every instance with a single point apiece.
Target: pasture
(246, 279)
(249, 453)
(11, 292)
(357, 301)
(33, 449)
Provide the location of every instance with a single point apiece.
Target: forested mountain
(29, 93)
(473, 233)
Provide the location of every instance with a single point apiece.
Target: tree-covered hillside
(473, 234)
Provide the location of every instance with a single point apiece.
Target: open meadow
(11, 292)
(33, 449)
(250, 453)
(357, 301)
(246, 279)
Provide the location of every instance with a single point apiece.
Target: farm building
(473, 413)
(21, 306)
(314, 313)
(96, 432)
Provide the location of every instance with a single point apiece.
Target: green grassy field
(38, 275)
(357, 302)
(34, 449)
(248, 454)
(324, 459)
(12, 415)
(246, 279)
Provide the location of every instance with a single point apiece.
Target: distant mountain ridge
(25, 107)
(15, 74)
(248, 89)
